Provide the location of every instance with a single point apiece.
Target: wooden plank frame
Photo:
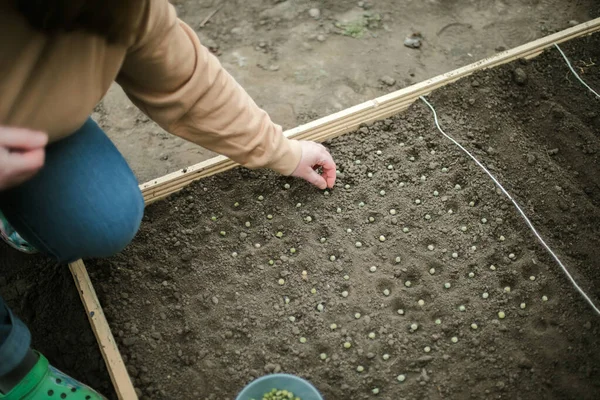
(320, 130)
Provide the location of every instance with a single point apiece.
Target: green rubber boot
(46, 382)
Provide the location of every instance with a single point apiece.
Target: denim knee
(112, 227)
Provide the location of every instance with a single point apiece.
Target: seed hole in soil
(528, 269)
(383, 284)
(508, 279)
(540, 325)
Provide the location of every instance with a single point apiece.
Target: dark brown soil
(198, 314)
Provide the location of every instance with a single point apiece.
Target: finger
(24, 139)
(329, 168)
(25, 162)
(313, 177)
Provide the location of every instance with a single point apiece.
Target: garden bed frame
(320, 130)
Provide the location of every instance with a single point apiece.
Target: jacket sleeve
(178, 83)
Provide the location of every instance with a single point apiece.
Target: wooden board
(372, 110)
(108, 347)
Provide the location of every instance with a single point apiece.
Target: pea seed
(281, 281)
(346, 277)
(474, 326)
(382, 238)
(371, 219)
(269, 216)
(271, 262)
(414, 327)
(447, 285)
(313, 291)
(484, 220)
(390, 167)
(370, 174)
(393, 212)
(454, 339)
(421, 303)
(444, 169)
(462, 308)
(236, 204)
(408, 283)
(523, 306)
(386, 292)
(417, 201)
(376, 390)
(357, 315)
(427, 349)
(323, 240)
(438, 321)
(338, 210)
(260, 198)
(298, 205)
(405, 230)
(323, 356)
(358, 244)
(332, 258)
(430, 247)
(302, 340)
(544, 298)
(223, 233)
(400, 311)
(213, 218)
(502, 238)
(308, 219)
(372, 335)
(286, 186)
(293, 250)
(361, 204)
(485, 295)
(457, 187)
(397, 260)
(501, 315)
(279, 234)
(401, 378)
(507, 289)
(463, 228)
(532, 278)
(320, 307)
(346, 186)
(493, 267)
(385, 357)
(454, 255)
(292, 318)
(471, 275)
(373, 269)
(344, 293)
(348, 230)
(360, 368)
(333, 327)
(436, 193)
(347, 345)
(432, 271)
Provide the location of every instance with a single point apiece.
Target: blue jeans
(85, 202)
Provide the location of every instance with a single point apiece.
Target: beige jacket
(53, 83)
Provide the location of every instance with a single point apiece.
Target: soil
(198, 314)
(299, 68)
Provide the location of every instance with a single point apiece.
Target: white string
(535, 232)
(575, 72)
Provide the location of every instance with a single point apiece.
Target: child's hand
(315, 155)
(22, 154)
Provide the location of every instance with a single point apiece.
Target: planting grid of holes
(412, 278)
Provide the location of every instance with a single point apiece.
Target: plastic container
(300, 387)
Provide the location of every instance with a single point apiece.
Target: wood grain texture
(108, 347)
